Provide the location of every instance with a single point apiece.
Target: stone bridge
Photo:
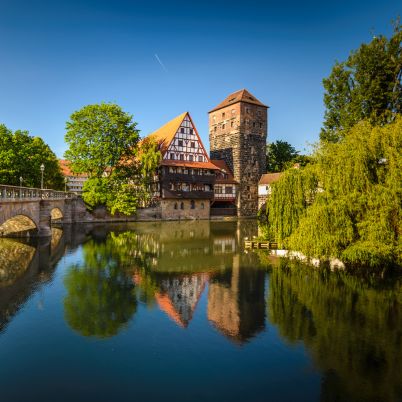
(30, 211)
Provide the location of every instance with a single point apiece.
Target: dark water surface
(180, 312)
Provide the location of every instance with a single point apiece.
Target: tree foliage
(21, 155)
(100, 136)
(279, 155)
(104, 143)
(356, 211)
(366, 86)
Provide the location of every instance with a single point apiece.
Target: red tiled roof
(199, 165)
(66, 170)
(239, 96)
(221, 164)
(164, 135)
(269, 178)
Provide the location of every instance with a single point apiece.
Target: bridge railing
(9, 193)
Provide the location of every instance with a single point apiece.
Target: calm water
(179, 312)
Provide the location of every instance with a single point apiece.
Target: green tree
(366, 86)
(21, 155)
(100, 137)
(279, 155)
(104, 142)
(348, 203)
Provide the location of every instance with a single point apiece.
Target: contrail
(160, 62)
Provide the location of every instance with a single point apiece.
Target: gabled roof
(269, 178)
(239, 96)
(164, 135)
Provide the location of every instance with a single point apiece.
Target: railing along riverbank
(18, 193)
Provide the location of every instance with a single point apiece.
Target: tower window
(254, 124)
(223, 115)
(260, 125)
(215, 128)
(248, 188)
(247, 110)
(223, 126)
(231, 124)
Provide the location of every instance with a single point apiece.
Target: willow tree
(356, 211)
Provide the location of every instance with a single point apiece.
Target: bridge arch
(56, 214)
(19, 226)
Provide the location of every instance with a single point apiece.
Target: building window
(231, 124)
(175, 205)
(192, 144)
(172, 156)
(223, 115)
(191, 131)
(215, 128)
(180, 143)
(190, 158)
(181, 205)
(182, 129)
(200, 159)
(223, 126)
(192, 203)
(181, 157)
(229, 190)
(248, 188)
(254, 124)
(202, 205)
(260, 125)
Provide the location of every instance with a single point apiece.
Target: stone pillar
(69, 210)
(44, 228)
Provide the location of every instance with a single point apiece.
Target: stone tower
(238, 134)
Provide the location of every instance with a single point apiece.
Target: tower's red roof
(239, 96)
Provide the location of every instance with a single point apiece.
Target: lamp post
(65, 184)
(21, 179)
(42, 169)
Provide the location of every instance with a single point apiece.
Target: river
(179, 311)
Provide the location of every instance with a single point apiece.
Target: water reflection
(24, 267)
(351, 325)
(100, 293)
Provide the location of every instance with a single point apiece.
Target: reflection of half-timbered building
(186, 175)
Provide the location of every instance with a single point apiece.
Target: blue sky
(56, 57)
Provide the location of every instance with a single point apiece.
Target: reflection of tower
(236, 302)
(178, 296)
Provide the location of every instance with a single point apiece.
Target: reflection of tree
(101, 296)
(352, 327)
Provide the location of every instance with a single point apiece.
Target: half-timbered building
(186, 176)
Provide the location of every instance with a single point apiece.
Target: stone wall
(238, 134)
(173, 209)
